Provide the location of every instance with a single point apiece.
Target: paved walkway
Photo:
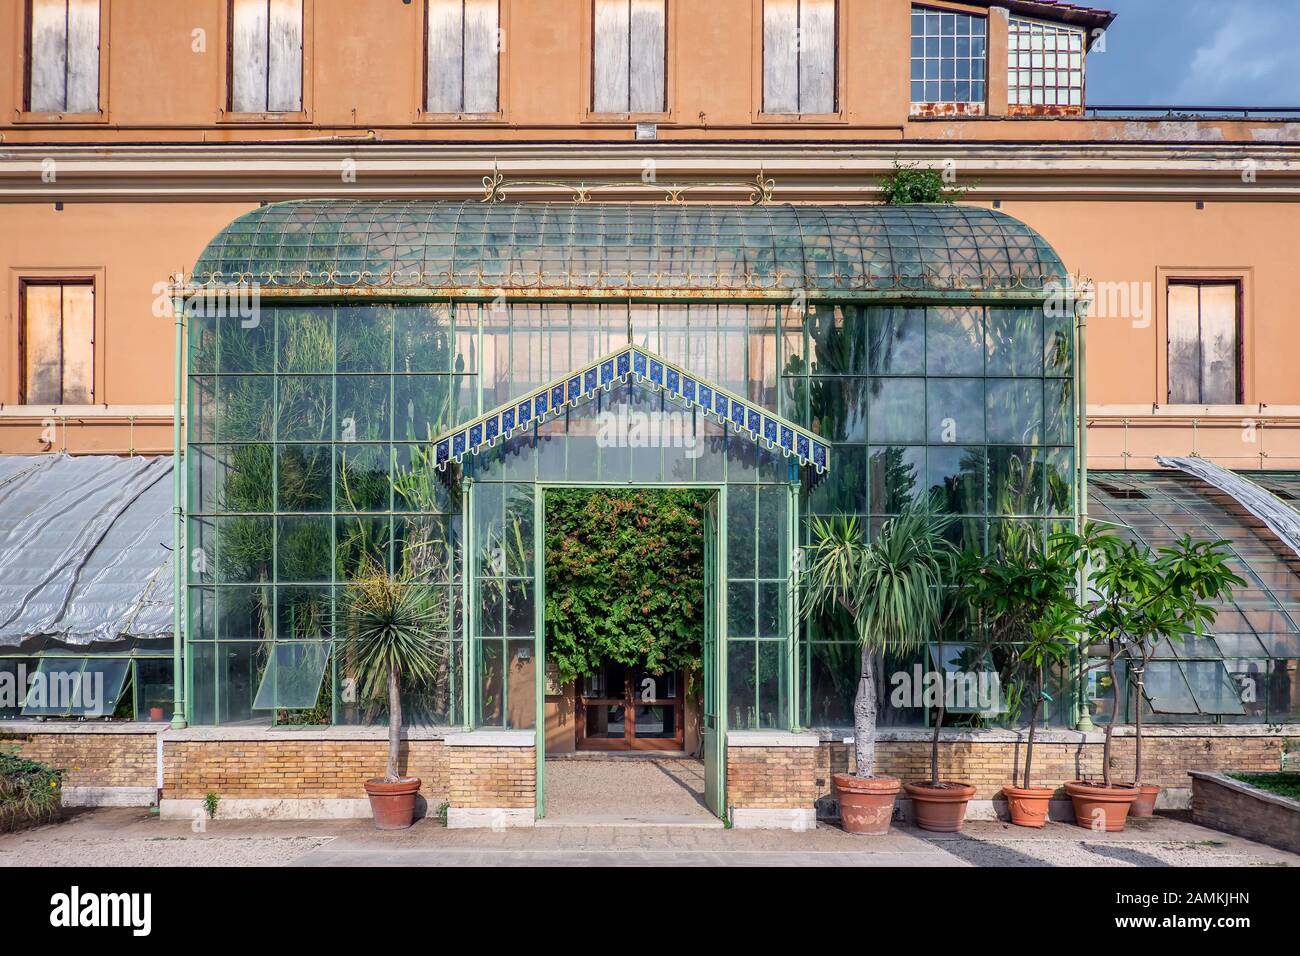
(131, 837)
(626, 790)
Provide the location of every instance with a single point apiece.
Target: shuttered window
(58, 343)
(799, 56)
(629, 47)
(266, 56)
(63, 56)
(1204, 343)
(464, 45)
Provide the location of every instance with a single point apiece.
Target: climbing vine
(624, 579)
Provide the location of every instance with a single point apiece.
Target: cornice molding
(802, 172)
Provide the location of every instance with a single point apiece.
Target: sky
(1197, 53)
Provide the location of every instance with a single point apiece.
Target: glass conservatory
(409, 378)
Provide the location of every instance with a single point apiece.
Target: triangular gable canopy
(646, 368)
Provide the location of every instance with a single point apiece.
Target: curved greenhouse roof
(590, 248)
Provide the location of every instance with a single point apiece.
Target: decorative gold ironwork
(762, 189)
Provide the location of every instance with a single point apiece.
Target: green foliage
(1283, 784)
(1024, 600)
(909, 183)
(210, 803)
(1139, 598)
(623, 579)
(891, 588)
(389, 635)
(29, 792)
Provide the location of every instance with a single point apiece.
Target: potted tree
(1025, 602)
(891, 589)
(389, 635)
(1187, 576)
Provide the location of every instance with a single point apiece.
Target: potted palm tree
(388, 637)
(1025, 602)
(891, 589)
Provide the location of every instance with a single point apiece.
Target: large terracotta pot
(1028, 807)
(941, 809)
(1099, 807)
(1145, 804)
(393, 804)
(866, 803)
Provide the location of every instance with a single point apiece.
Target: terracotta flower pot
(155, 713)
(1028, 807)
(1098, 807)
(1145, 804)
(393, 804)
(941, 809)
(866, 803)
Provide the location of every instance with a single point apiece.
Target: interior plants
(388, 635)
(1024, 600)
(891, 590)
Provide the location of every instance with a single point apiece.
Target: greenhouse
(416, 376)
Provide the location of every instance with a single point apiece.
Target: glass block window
(949, 53)
(1044, 64)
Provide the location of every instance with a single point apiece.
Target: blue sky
(1198, 53)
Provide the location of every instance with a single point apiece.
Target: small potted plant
(1025, 602)
(389, 631)
(891, 589)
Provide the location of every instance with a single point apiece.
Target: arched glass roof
(587, 248)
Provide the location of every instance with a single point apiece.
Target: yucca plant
(892, 589)
(389, 633)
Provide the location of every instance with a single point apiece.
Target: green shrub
(909, 183)
(30, 792)
(1283, 784)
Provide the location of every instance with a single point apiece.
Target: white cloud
(1247, 58)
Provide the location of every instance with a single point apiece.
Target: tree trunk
(934, 742)
(394, 727)
(1114, 716)
(1137, 725)
(864, 718)
(1027, 780)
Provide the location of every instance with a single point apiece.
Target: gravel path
(638, 786)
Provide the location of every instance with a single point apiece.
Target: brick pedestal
(492, 779)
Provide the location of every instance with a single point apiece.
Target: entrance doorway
(624, 741)
(628, 708)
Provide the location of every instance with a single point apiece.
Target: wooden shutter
(266, 56)
(463, 56)
(648, 50)
(481, 56)
(1219, 345)
(58, 344)
(284, 46)
(780, 56)
(248, 56)
(63, 73)
(817, 43)
(610, 74)
(1184, 345)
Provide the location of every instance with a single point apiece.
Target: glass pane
(955, 411)
(954, 341)
(895, 410)
(293, 676)
(896, 341)
(656, 721)
(605, 721)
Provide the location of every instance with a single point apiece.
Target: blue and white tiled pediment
(644, 368)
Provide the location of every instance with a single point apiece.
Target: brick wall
(991, 765)
(1232, 807)
(294, 769)
(492, 777)
(92, 759)
(772, 778)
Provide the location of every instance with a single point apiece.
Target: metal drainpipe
(178, 505)
(1084, 721)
